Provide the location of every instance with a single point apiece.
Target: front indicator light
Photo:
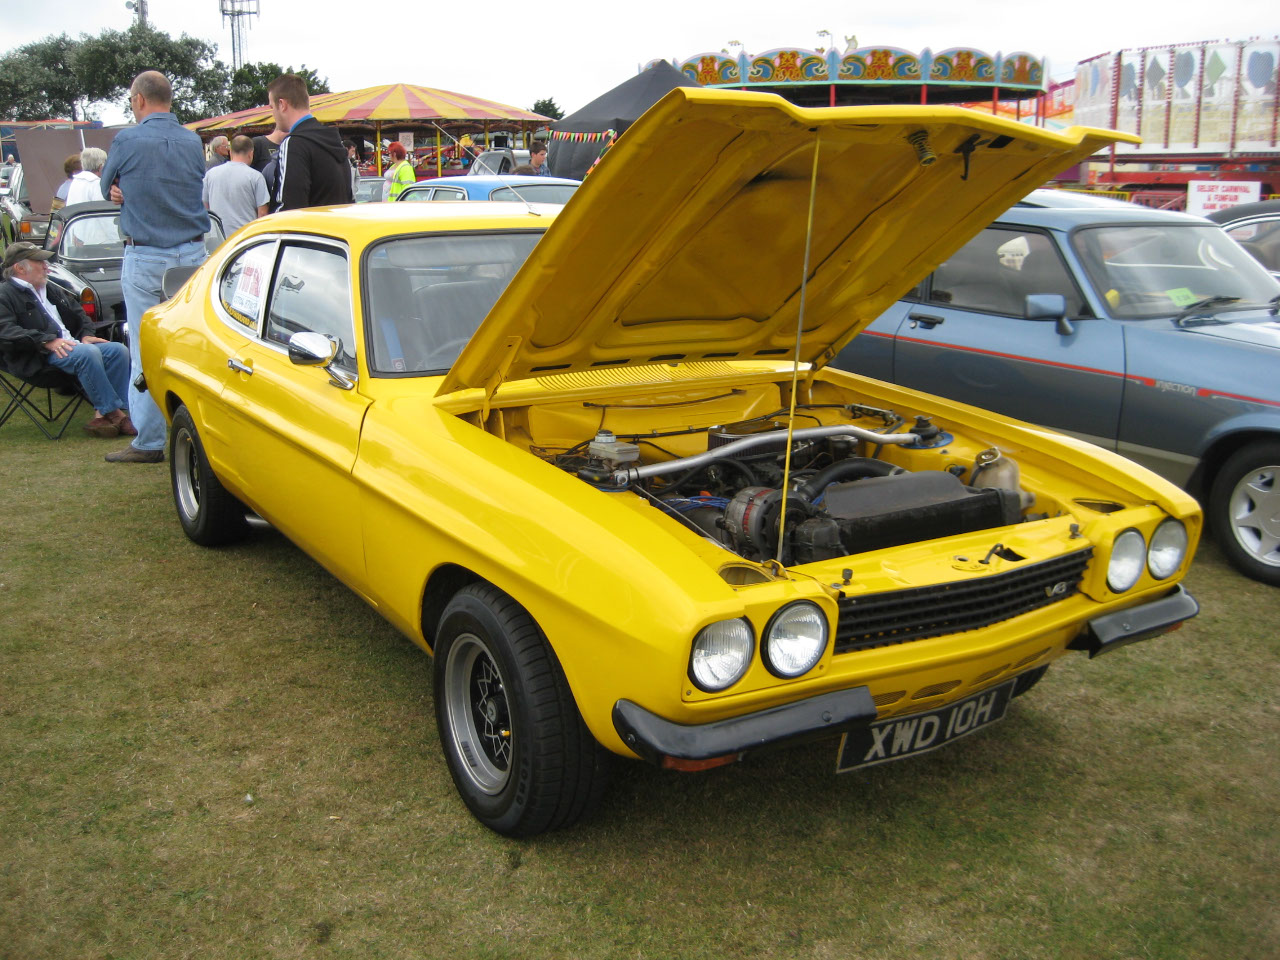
(721, 654)
(795, 639)
(1168, 547)
(1128, 557)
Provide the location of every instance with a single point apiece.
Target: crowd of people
(166, 182)
(158, 173)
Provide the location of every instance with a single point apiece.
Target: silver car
(1146, 332)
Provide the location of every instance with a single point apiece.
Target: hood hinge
(510, 347)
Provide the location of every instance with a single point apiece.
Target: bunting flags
(584, 137)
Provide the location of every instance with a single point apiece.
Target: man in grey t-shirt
(235, 191)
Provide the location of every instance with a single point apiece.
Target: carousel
(441, 122)
(827, 77)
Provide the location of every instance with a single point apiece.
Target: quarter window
(244, 282)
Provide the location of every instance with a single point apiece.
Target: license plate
(904, 737)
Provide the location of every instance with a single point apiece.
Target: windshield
(1157, 270)
(426, 296)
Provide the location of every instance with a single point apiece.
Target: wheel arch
(443, 582)
(171, 404)
(1221, 446)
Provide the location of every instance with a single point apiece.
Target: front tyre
(1244, 510)
(517, 749)
(209, 515)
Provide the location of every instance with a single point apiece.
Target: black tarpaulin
(615, 110)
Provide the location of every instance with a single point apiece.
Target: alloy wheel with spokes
(479, 716)
(521, 757)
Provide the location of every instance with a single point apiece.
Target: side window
(312, 292)
(448, 193)
(998, 269)
(243, 283)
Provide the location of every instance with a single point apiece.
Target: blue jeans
(103, 372)
(140, 279)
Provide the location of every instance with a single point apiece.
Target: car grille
(883, 619)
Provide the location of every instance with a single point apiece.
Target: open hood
(689, 240)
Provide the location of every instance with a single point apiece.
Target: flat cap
(22, 250)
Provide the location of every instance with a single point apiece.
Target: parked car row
(1146, 332)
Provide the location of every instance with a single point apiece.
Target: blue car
(1146, 332)
(517, 188)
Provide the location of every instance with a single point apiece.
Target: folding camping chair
(49, 399)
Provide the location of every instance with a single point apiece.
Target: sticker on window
(1181, 296)
(246, 299)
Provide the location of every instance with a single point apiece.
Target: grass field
(225, 754)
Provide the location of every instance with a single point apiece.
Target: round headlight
(1168, 547)
(795, 639)
(721, 654)
(1128, 557)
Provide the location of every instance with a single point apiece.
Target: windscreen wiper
(1187, 314)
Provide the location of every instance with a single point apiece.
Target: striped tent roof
(387, 103)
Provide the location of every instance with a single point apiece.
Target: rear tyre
(517, 749)
(1244, 511)
(209, 515)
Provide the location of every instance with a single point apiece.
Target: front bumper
(658, 740)
(1115, 630)
(690, 746)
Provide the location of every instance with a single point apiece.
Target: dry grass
(224, 754)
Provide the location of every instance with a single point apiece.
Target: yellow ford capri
(592, 458)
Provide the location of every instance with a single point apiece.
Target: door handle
(926, 320)
(236, 365)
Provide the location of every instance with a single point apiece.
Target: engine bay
(857, 477)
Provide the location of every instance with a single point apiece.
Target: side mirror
(1049, 306)
(173, 280)
(310, 349)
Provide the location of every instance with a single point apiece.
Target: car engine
(837, 503)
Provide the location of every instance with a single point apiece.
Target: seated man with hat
(42, 325)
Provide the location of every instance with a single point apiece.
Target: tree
(36, 84)
(106, 65)
(548, 108)
(249, 84)
(60, 77)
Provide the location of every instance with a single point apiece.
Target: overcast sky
(517, 53)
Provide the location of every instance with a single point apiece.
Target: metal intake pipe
(628, 475)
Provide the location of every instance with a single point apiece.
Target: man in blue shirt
(156, 171)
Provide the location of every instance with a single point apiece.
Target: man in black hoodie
(313, 168)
